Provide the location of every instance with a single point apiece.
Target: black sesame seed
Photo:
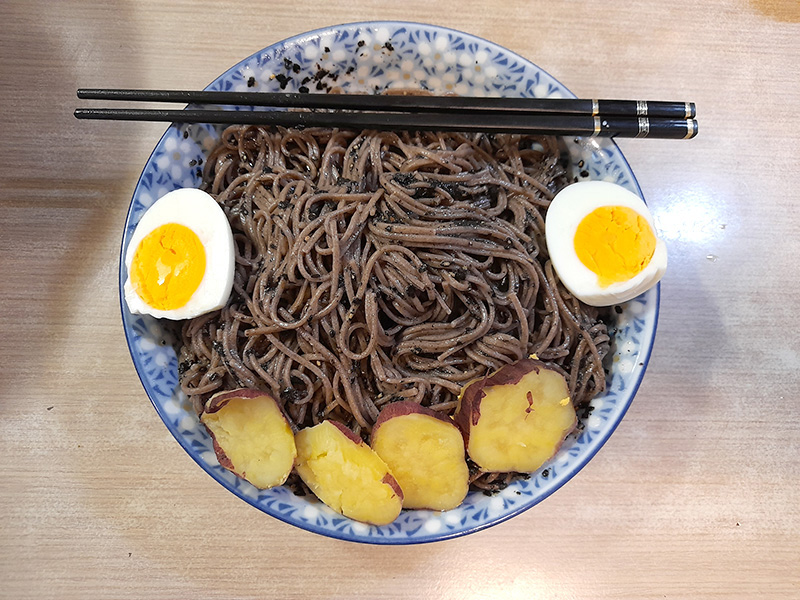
(251, 82)
(283, 80)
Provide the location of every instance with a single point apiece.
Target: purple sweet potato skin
(220, 399)
(407, 407)
(389, 480)
(469, 410)
(223, 459)
(349, 433)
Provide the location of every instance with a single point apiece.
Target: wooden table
(696, 494)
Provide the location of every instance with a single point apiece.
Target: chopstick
(564, 125)
(565, 117)
(407, 103)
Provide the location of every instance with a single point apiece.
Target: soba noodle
(373, 267)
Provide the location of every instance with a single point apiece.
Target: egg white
(567, 210)
(199, 212)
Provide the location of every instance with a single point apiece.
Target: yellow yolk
(615, 242)
(168, 266)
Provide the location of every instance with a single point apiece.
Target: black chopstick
(556, 124)
(405, 103)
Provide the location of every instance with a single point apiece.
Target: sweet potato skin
(349, 433)
(407, 407)
(390, 480)
(220, 399)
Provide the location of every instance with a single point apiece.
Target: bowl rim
(567, 476)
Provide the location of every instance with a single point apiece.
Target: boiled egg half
(602, 243)
(180, 258)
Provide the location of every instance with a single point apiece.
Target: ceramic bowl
(372, 57)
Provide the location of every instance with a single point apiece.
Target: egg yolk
(168, 266)
(615, 242)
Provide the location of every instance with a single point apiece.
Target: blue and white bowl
(371, 57)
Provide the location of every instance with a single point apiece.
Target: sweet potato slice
(251, 436)
(346, 474)
(516, 418)
(425, 451)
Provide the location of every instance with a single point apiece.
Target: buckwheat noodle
(378, 266)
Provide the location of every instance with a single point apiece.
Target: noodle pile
(378, 266)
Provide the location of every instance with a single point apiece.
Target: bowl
(372, 57)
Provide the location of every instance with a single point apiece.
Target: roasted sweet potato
(251, 436)
(346, 474)
(516, 418)
(425, 451)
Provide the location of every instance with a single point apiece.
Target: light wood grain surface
(695, 496)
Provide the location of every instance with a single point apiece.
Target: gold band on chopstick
(691, 128)
(641, 108)
(595, 108)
